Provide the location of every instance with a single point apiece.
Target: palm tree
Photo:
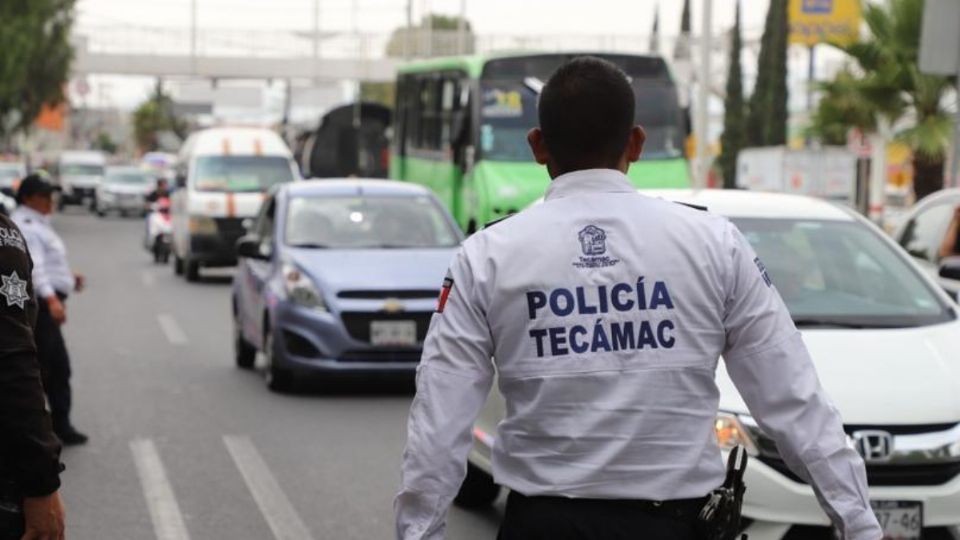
(894, 87)
(842, 107)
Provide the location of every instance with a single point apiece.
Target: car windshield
(132, 178)
(841, 274)
(81, 169)
(10, 171)
(368, 222)
(241, 173)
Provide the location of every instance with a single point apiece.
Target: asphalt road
(183, 445)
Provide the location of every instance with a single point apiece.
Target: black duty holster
(720, 517)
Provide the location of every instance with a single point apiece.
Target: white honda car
(886, 343)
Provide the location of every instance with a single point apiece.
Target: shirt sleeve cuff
(41, 485)
(45, 291)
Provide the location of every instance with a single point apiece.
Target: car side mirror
(250, 247)
(950, 268)
(180, 181)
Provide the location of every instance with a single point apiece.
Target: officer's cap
(34, 184)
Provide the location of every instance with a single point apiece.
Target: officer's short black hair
(586, 113)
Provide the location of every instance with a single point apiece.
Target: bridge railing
(211, 42)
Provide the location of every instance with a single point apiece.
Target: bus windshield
(509, 106)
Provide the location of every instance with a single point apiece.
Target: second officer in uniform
(54, 281)
(605, 313)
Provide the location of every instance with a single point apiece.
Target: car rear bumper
(214, 249)
(320, 341)
(132, 204)
(76, 194)
(780, 507)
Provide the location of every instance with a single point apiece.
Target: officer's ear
(540, 153)
(635, 144)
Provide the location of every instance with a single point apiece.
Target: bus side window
(449, 108)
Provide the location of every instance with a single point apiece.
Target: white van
(80, 172)
(222, 176)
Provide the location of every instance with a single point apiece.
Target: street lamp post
(703, 96)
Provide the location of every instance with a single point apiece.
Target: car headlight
(731, 432)
(301, 290)
(202, 225)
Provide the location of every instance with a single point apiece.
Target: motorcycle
(159, 231)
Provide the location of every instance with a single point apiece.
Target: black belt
(685, 509)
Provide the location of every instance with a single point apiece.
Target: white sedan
(884, 338)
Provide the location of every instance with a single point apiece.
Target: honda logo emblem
(873, 446)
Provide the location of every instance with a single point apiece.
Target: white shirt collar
(30, 213)
(589, 181)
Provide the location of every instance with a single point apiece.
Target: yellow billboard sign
(824, 21)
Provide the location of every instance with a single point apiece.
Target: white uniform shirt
(606, 313)
(51, 270)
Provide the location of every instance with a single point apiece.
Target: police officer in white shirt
(53, 281)
(603, 314)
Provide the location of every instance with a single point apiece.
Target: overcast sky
(488, 16)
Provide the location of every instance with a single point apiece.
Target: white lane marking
(148, 278)
(273, 502)
(165, 513)
(171, 329)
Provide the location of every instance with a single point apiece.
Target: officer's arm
(768, 362)
(41, 279)
(453, 381)
(27, 441)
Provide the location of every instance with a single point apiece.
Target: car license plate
(900, 520)
(393, 333)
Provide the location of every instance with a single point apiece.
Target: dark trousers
(557, 518)
(55, 365)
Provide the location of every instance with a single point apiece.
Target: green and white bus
(461, 127)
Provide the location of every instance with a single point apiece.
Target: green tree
(105, 143)
(443, 38)
(767, 118)
(154, 116)
(893, 86)
(841, 107)
(384, 93)
(734, 131)
(35, 57)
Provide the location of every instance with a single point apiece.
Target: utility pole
(408, 43)
(316, 37)
(427, 30)
(193, 36)
(703, 96)
(462, 28)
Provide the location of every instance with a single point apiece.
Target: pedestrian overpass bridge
(231, 54)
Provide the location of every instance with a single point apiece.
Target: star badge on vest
(593, 245)
(14, 290)
(444, 292)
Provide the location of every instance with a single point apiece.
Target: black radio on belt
(720, 517)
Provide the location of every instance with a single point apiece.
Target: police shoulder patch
(14, 290)
(694, 206)
(445, 292)
(498, 220)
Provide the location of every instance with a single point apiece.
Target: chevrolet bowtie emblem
(393, 305)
